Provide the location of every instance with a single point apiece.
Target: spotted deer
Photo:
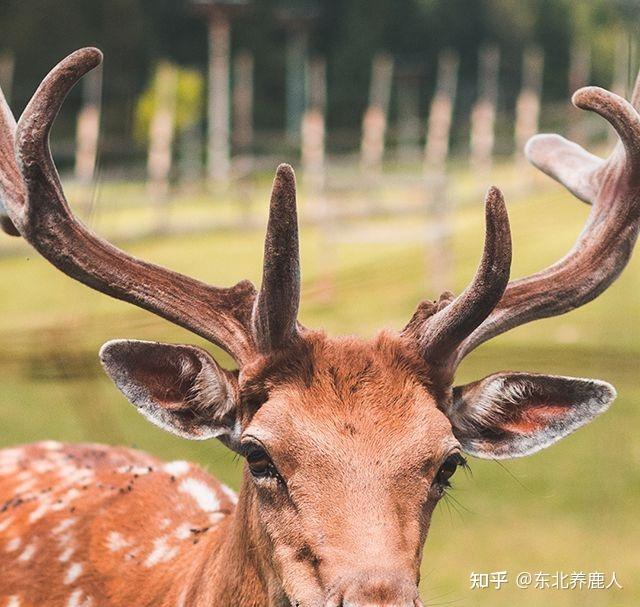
(349, 443)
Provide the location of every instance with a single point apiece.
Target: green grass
(573, 507)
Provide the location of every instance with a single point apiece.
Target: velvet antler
(605, 245)
(10, 181)
(37, 208)
(439, 332)
(599, 255)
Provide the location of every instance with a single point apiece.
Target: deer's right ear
(179, 388)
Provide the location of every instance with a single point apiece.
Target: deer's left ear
(179, 388)
(514, 414)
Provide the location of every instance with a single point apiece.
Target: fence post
(439, 122)
(161, 132)
(313, 128)
(624, 70)
(409, 124)
(88, 127)
(218, 153)
(374, 124)
(483, 115)
(243, 101)
(528, 102)
(439, 207)
(314, 171)
(297, 49)
(579, 70)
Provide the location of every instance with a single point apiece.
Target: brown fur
(68, 501)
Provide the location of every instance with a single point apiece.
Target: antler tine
(604, 247)
(567, 163)
(223, 316)
(276, 307)
(439, 335)
(11, 184)
(620, 114)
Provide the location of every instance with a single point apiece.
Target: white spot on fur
(182, 599)
(63, 525)
(9, 459)
(216, 517)
(13, 544)
(66, 554)
(4, 525)
(177, 468)
(161, 552)
(25, 486)
(50, 445)
(76, 476)
(201, 493)
(76, 599)
(13, 601)
(12, 454)
(64, 500)
(40, 511)
(27, 553)
(116, 542)
(183, 532)
(164, 523)
(42, 466)
(8, 468)
(73, 573)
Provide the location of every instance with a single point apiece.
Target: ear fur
(179, 388)
(516, 414)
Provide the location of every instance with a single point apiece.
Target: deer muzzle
(376, 588)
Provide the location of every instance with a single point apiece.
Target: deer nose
(376, 589)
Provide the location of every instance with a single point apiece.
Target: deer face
(349, 444)
(348, 457)
(349, 447)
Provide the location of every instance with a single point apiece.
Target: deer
(348, 443)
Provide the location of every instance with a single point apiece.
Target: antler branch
(36, 205)
(606, 243)
(276, 307)
(11, 184)
(439, 332)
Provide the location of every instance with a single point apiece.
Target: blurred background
(397, 116)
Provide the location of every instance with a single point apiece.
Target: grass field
(571, 508)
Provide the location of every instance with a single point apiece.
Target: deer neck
(235, 569)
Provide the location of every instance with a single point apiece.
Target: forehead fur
(343, 376)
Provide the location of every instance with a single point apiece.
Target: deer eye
(260, 464)
(448, 468)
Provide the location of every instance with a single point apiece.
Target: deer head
(349, 444)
